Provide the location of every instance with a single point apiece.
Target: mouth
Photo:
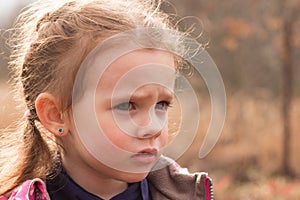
(146, 156)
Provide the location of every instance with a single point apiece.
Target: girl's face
(132, 98)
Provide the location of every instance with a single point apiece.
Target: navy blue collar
(62, 187)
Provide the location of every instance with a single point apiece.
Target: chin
(134, 177)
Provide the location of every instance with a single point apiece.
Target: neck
(94, 182)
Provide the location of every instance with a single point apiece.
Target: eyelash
(119, 106)
(167, 104)
(130, 106)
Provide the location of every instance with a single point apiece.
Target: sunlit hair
(49, 42)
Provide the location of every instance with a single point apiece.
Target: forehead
(148, 66)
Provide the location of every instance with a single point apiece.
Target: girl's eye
(126, 106)
(162, 105)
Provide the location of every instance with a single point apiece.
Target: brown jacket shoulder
(169, 181)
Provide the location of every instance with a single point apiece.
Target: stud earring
(60, 130)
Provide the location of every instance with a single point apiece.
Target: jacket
(169, 182)
(175, 183)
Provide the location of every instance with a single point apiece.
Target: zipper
(209, 188)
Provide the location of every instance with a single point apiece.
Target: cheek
(105, 121)
(164, 136)
(113, 133)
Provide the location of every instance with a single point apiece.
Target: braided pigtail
(33, 155)
(36, 153)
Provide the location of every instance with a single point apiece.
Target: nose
(150, 124)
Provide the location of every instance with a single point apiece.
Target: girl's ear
(50, 115)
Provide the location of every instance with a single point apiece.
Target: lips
(148, 151)
(146, 156)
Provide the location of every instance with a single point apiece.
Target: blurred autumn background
(256, 46)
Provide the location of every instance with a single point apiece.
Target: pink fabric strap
(30, 190)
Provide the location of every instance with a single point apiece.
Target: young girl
(97, 79)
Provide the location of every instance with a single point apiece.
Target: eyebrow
(165, 93)
(162, 93)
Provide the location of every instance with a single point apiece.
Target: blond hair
(49, 42)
